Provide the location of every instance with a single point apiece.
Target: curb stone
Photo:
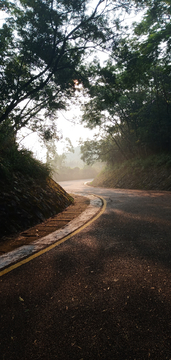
(37, 245)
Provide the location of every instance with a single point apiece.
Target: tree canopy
(46, 51)
(43, 44)
(130, 97)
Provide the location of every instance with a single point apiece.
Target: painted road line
(24, 254)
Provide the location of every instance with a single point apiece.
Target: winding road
(105, 293)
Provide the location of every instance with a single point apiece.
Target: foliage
(130, 98)
(13, 159)
(73, 159)
(42, 49)
(53, 159)
(104, 150)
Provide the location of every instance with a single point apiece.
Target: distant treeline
(66, 173)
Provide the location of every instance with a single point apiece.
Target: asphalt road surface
(103, 294)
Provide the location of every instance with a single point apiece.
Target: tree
(53, 159)
(104, 150)
(43, 45)
(155, 29)
(136, 119)
(130, 98)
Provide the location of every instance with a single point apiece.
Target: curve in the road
(6, 260)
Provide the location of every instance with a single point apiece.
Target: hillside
(152, 173)
(28, 195)
(25, 202)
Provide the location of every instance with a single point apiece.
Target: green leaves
(42, 49)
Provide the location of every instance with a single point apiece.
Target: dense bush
(13, 159)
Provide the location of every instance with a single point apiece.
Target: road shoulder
(86, 208)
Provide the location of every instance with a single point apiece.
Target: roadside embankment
(152, 173)
(28, 195)
(26, 202)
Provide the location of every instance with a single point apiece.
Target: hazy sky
(68, 129)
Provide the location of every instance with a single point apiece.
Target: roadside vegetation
(13, 160)
(69, 166)
(130, 104)
(49, 60)
(28, 195)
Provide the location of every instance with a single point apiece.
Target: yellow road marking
(43, 251)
